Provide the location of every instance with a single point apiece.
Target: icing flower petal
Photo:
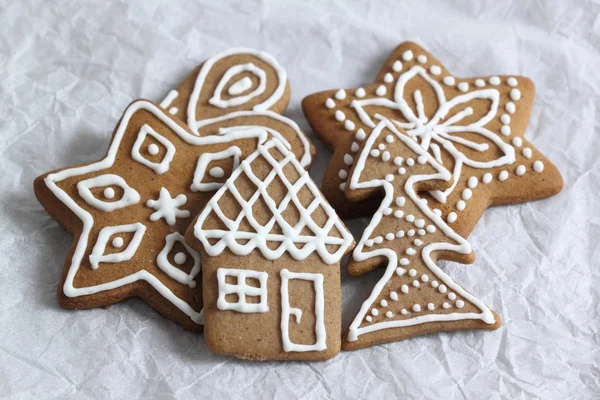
(405, 94)
(372, 111)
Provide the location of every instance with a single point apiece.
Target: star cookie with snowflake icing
(474, 127)
(407, 237)
(128, 212)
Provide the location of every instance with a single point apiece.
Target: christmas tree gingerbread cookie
(128, 212)
(474, 127)
(271, 247)
(414, 296)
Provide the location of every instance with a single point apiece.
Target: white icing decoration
(407, 55)
(388, 78)
(463, 86)
(443, 132)
(153, 149)
(527, 152)
(359, 254)
(204, 160)
(505, 130)
(503, 176)
(422, 59)
(515, 94)
(494, 80)
(360, 92)
(216, 172)
(216, 99)
(287, 311)
(340, 116)
(397, 66)
(130, 196)
(97, 255)
(349, 125)
(343, 174)
(467, 194)
(329, 103)
(355, 147)
(512, 82)
(449, 80)
(240, 86)
(487, 178)
(479, 83)
(435, 70)
(517, 142)
(538, 166)
(261, 237)
(171, 96)
(340, 94)
(521, 169)
(180, 258)
(505, 119)
(167, 207)
(117, 242)
(460, 205)
(158, 167)
(173, 110)
(109, 193)
(381, 91)
(510, 107)
(360, 134)
(242, 289)
(452, 217)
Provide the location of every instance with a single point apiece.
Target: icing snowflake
(433, 130)
(167, 207)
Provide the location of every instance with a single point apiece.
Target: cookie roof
(271, 204)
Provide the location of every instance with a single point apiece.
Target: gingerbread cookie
(407, 237)
(271, 248)
(234, 86)
(128, 212)
(474, 127)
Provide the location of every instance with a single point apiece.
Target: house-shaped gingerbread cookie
(271, 248)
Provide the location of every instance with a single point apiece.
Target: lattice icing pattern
(278, 208)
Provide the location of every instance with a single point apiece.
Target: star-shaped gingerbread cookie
(128, 212)
(474, 127)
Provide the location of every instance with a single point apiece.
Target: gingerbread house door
(290, 280)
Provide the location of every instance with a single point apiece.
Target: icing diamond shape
(97, 256)
(179, 258)
(158, 167)
(204, 161)
(130, 196)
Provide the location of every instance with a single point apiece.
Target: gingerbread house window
(242, 290)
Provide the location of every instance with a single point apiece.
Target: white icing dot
(410, 218)
(383, 303)
(527, 152)
(386, 156)
(360, 92)
(463, 86)
(452, 296)
(368, 318)
(480, 83)
(467, 194)
(418, 242)
(389, 236)
(340, 116)
(411, 232)
(505, 119)
(416, 283)
(494, 80)
(430, 307)
(388, 78)
(410, 162)
(404, 289)
(343, 186)
(381, 91)
(446, 305)
(374, 312)
(400, 233)
(421, 232)
(460, 304)
(412, 272)
(452, 217)
(538, 166)
(437, 211)
(400, 271)
(375, 153)
(355, 147)
(416, 308)
(431, 228)
(472, 182)
(434, 284)
(512, 82)
(420, 223)
(397, 66)
(515, 95)
(389, 177)
(503, 176)
(442, 288)
(343, 174)
(348, 159)
(349, 125)
(407, 55)
(369, 243)
(109, 193)
(410, 251)
(521, 169)
(360, 134)
(449, 80)
(404, 261)
(180, 258)
(153, 149)
(460, 205)
(422, 59)
(389, 139)
(422, 160)
(424, 278)
(394, 296)
(329, 103)
(400, 201)
(117, 242)
(398, 214)
(487, 178)
(510, 107)
(341, 94)
(435, 70)
(216, 172)
(387, 211)
(381, 146)
(505, 130)
(401, 171)
(517, 142)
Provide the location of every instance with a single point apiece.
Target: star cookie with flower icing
(474, 127)
(128, 212)
(414, 296)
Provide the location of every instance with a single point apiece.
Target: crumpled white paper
(67, 72)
